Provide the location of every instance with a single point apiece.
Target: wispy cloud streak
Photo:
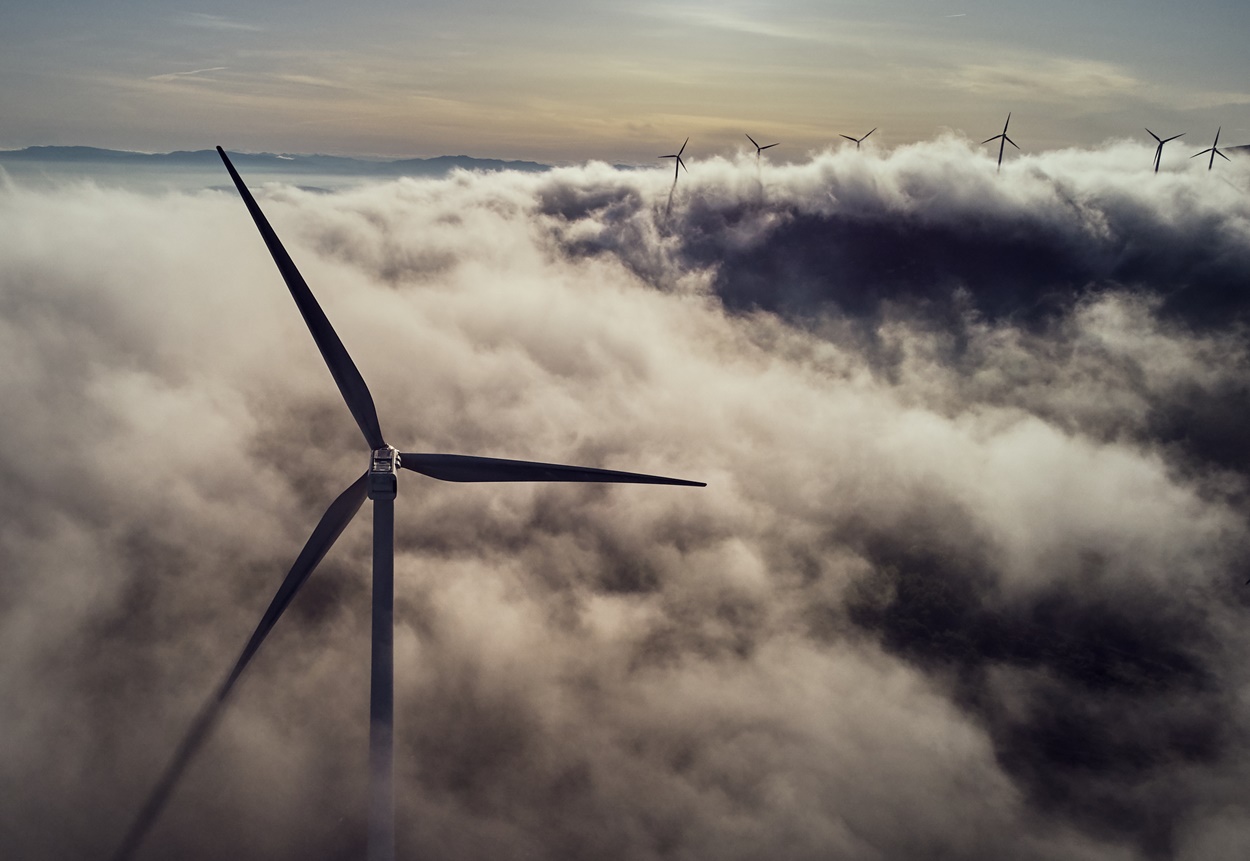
(194, 73)
(218, 22)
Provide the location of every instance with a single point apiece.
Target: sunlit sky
(564, 82)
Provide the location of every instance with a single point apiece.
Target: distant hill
(265, 162)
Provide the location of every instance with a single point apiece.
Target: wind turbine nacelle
(383, 467)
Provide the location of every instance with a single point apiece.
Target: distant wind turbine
(1003, 141)
(858, 141)
(759, 149)
(378, 483)
(1159, 148)
(679, 162)
(1214, 150)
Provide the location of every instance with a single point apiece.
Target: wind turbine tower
(1214, 150)
(759, 149)
(858, 141)
(1003, 140)
(1159, 148)
(378, 483)
(679, 163)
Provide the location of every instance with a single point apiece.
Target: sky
(967, 580)
(564, 83)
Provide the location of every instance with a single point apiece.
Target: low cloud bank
(967, 580)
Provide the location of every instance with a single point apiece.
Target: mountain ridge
(270, 162)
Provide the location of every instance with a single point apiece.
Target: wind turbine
(858, 141)
(759, 149)
(1159, 148)
(378, 483)
(679, 162)
(1003, 142)
(1214, 150)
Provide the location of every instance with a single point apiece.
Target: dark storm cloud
(966, 581)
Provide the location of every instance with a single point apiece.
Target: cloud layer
(966, 581)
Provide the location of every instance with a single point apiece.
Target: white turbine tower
(1159, 148)
(858, 141)
(759, 149)
(1003, 140)
(1214, 150)
(678, 163)
(379, 484)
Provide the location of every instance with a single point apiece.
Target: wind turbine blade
(683, 147)
(683, 165)
(1155, 136)
(987, 140)
(351, 384)
(849, 138)
(1221, 155)
(331, 525)
(1007, 123)
(865, 137)
(1010, 141)
(1172, 138)
(1204, 152)
(459, 467)
(770, 146)
(752, 140)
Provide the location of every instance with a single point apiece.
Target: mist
(967, 580)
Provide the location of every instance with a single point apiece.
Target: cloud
(735, 22)
(218, 22)
(966, 580)
(1044, 79)
(194, 73)
(309, 81)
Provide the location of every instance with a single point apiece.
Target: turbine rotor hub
(383, 471)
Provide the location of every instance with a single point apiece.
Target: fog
(967, 580)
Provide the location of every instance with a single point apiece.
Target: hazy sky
(967, 580)
(563, 82)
